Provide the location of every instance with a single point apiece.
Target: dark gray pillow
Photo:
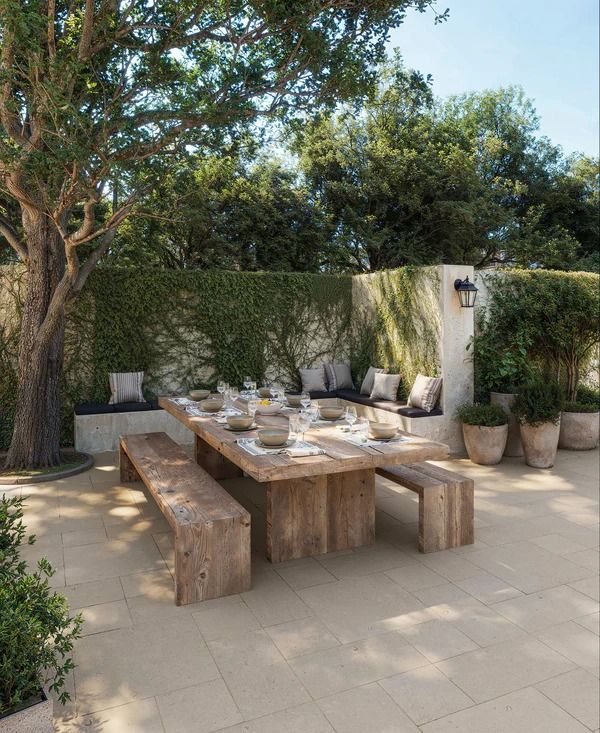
(125, 387)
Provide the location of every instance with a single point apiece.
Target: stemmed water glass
(221, 387)
(303, 423)
(252, 387)
(362, 425)
(305, 400)
(247, 383)
(252, 405)
(351, 415)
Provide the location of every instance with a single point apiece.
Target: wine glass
(305, 400)
(221, 386)
(247, 382)
(362, 425)
(303, 423)
(252, 387)
(252, 405)
(351, 415)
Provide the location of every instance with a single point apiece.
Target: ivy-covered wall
(187, 329)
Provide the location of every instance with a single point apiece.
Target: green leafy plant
(36, 631)
(489, 416)
(579, 407)
(539, 401)
(588, 396)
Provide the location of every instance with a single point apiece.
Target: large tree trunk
(36, 434)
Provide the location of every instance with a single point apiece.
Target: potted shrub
(580, 421)
(537, 407)
(485, 430)
(36, 633)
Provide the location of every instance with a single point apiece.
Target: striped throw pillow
(425, 392)
(125, 387)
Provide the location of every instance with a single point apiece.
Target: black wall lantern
(467, 292)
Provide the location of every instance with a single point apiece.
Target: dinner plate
(287, 444)
(240, 430)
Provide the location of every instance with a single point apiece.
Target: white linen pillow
(367, 384)
(313, 380)
(125, 387)
(385, 387)
(425, 392)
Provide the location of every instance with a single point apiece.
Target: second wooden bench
(446, 508)
(212, 531)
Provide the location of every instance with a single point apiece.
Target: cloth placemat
(353, 437)
(298, 450)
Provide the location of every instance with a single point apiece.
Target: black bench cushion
(93, 408)
(319, 395)
(397, 408)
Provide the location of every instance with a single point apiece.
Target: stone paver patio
(499, 636)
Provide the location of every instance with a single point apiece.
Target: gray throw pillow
(313, 380)
(339, 376)
(367, 384)
(385, 387)
(125, 387)
(425, 392)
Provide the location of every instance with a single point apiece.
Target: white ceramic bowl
(271, 409)
(383, 430)
(273, 436)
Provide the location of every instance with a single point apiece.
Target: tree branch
(12, 237)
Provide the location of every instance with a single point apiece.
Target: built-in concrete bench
(446, 504)
(212, 531)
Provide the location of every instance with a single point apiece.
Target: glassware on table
(362, 428)
(294, 422)
(303, 423)
(252, 387)
(247, 382)
(313, 411)
(305, 400)
(252, 405)
(351, 415)
(221, 386)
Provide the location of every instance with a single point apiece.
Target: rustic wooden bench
(212, 531)
(445, 504)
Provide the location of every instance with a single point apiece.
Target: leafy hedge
(537, 321)
(186, 329)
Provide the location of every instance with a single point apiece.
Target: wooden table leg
(319, 514)
(214, 463)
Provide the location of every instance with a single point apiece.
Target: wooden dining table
(315, 504)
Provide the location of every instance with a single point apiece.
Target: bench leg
(127, 470)
(214, 463)
(446, 516)
(212, 560)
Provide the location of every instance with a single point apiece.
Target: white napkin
(299, 450)
(356, 439)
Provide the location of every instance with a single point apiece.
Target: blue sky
(549, 48)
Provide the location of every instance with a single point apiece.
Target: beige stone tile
(157, 609)
(554, 524)
(591, 622)
(574, 642)
(525, 710)
(446, 593)
(558, 544)
(141, 716)
(306, 718)
(256, 674)
(528, 567)
(137, 526)
(202, 709)
(479, 622)
(589, 559)
(344, 667)
(356, 608)
(488, 588)
(304, 573)
(110, 559)
(578, 693)
(438, 640)
(546, 608)
(366, 708)
(450, 566)
(301, 637)
(425, 694)
(415, 576)
(223, 618)
(104, 617)
(272, 601)
(502, 668)
(589, 586)
(119, 666)
(151, 583)
(80, 537)
(365, 562)
(96, 591)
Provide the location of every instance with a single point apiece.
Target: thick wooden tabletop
(340, 455)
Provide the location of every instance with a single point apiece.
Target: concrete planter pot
(514, 447)
(34, 718)
(579, 430)
(485, 445)
(540, 443)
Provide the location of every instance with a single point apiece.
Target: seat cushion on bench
(93, 408)
(398, 408)
(319, 395)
